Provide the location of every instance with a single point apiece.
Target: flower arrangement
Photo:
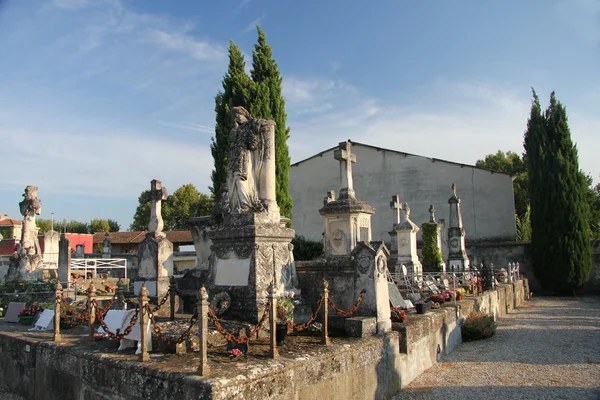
(448, 295)
(285, 306)
(437, 297)
(460, 293)
(233, 353)
(398, 315)
(30, 310)
(315, 327)
(435, 304)
(220, 303)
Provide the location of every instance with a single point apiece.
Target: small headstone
(396, 299)
(12, 312)
(45, 321)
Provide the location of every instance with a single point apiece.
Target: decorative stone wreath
(220, 303)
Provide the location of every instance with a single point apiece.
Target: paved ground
(548, 349)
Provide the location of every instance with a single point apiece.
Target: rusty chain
(162, 302)
(158, 331)
(127, 330)
(300, 328)
(351, 310)
(243, 338)
(103, 311)
(80, 318)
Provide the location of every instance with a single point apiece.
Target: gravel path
(548, 349)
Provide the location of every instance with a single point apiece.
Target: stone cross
(431, 213)
(156, 195)
(454, 189)
(406, 210)
(396, 207)
(344, 155)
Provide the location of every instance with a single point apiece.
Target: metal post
(143, 318)
(57, 305)
(510, 272)
(325, 332)
(493, 276)
(203, 368)
(273, 321)
(91, 311)
(172, 294)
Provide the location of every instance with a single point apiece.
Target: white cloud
(191, 127)
(252, 25)
(199, 50)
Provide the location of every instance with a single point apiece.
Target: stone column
(406, 236)
(396, 207)
(143, 318)
(203, 368)
(457, 256)
(64, 260)
(273, 322)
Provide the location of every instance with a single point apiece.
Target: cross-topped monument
(344, 155)
(431, 213)
(156, 194)
(396, 207)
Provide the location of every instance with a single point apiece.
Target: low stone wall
(371, 368)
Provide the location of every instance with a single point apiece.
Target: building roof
(5, 221)
(398, 152)
(176, 237)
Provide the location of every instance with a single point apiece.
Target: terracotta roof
(9, 222)
(177, 237)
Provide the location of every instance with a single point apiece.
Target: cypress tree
(561, 248)
(235, 92)
(268, 103)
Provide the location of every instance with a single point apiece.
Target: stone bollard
(203, 368)
(518, 271)
(57, 305)
(143, 320)
(274, 353)
(172, 294)
(91, 293)
(510, 272)
(120, 292)
(325, 328)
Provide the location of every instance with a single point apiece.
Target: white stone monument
(396, 207)
(457, 256)
(406, 242)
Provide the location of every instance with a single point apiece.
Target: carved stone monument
(396, 207)
(347, 220)
(406, 239)
(156, 252)
(457, 256)
(438, 235)
(28, 262)
(106, 247)
(250, 243)
(370, 260)
(64, 259)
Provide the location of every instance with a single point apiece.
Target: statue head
(239, 115)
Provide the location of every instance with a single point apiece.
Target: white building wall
(487, 203)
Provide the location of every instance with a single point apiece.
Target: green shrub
(306, 249)
(478, 326)
(432, 257)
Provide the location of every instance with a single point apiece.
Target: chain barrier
(127, 330)
(162, 302)
(102, 311)
(80, 318)
(158, 331)
(300, 328)
(351, 310)
(243, 338)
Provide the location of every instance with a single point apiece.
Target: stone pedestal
(347, 222)
(64, 259)
(406, 242)
(370, 260)
(156, 266)
(202, 243)
(249, 251)
(457, 255)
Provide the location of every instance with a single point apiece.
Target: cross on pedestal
(454, 189)
(431, 213)
(156, 194)
(396, 207)
(344, 155)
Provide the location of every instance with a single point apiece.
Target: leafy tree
(511, 163)
(236, 91)
(113, 226)
(43, 225)
(560, 237)
(6, 232)
(432, 257)
(185, 203)
(268, 103)
(77, 227)
(98, 225)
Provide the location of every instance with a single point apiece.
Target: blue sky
(98, 97)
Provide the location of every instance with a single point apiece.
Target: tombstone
(64, 260)
(347, 220)
(396, 207)
(457, 256)
(370, 261)
(28, 262)
(50, 254)
(45, 321)
(155, 252)
(106, 247)
(12, 312)
(438, 238)
(202, 243)
(79, 251)
(406, 239)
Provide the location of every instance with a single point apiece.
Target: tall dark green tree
(560, 239)
(235, 92)
(268, 103)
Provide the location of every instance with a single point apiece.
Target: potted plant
(422, 307)
(285, 316)
(27, 314)
(448, 295)
(398, 315)
(438, 298)
(460, 294)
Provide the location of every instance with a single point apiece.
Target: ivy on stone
(431, 255)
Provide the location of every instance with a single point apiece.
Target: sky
(99, 97)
